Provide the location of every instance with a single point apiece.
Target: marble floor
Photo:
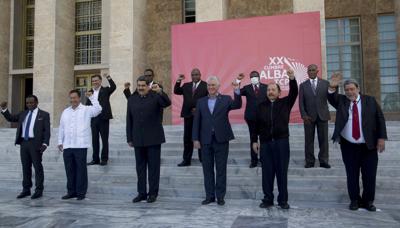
(118, 211)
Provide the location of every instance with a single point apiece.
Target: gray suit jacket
(314, 105)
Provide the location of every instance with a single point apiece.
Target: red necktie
(356, 122)
(256, 90)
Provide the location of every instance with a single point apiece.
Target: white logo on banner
(277, 68)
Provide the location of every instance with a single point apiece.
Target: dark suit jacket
(252, 100)
(104, 100)
(373, 121)
(41, 129)
(190, 99)
(314, 105)
(143, 125)
(205, 122)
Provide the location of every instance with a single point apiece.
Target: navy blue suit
(214, 132)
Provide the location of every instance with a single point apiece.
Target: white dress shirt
(347, 131)
(96, 93)
(74, 130)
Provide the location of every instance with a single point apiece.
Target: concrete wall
(5, 8)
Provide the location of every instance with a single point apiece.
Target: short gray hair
(213, 78)
(350, 81)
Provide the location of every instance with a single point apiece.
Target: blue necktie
(28, 123)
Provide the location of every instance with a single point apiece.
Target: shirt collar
(34, 110)
(77, 108)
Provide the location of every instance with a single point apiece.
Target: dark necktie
(193, 89)
(256, 90)
(313, 86)
(27, 126)
(356, 122)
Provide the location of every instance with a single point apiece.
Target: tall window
(343, 47)
(388, 63)
(29, 32)
(189, 11)
(88, 32)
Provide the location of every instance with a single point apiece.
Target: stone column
(211, 10)
(5, 8)
(300, 6)
(53, 70)
(126, 49)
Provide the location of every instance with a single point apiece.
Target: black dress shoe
(184, 163)
(266, 204)
(151, 199)
(221, 202)
(284, 205)
(208, 201)
(103, 163)
(369, 206)
(253, 165)
(139, 198)
(354, 205)
(80, 198)
(37, 195)
(68, 196)
(93, 163)
(309, 165)
(23, 195)
(325, 165)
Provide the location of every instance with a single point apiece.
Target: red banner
(270, 45)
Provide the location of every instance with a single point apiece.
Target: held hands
(336, 78)
(181, 78)
(89, 94)
(196, 144)
(240, 77)
(381, 145)
(290, 73)
(3, 105)
(60, 148)
(127, 85)
(256, 147)
(156, 88)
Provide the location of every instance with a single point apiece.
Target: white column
(300, 6)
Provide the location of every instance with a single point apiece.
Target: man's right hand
(181, 78)
(127, 85)
(336, 78)
(130, 144)
(240, 77)
(256, 148)
(60, 148)
(307, 120)
(196, 144)
(3, 105)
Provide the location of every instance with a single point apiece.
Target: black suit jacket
(104, 100)
(190, 99)
(314, 105)
(252, 100)
(205, 121)
(143, 125)
(41, 129)
(373, 121)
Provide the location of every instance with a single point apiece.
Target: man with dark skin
(33, 135)
(191, 91)
(313, 105)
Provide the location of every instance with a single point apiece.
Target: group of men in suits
(207, 128)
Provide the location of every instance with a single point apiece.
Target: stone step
(298, 194)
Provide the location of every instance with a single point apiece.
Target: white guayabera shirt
(74, 130)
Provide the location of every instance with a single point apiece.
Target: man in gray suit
(315, 113)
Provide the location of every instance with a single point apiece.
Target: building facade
(49, 47)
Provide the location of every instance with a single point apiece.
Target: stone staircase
(118, 179)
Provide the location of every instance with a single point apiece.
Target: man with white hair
(212, 133)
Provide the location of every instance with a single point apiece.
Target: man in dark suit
(313, 103)
(255, 94)
(212, 133)
(33, 136)
(145, 133)
(101, 124)
(361, 131)
(272, 130)
(191, 92)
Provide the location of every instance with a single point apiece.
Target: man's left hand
(290, 73)
(381, 145)
(42, 148)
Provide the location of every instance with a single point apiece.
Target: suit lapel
(345, 109)
(363, 111)
(217, 104)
